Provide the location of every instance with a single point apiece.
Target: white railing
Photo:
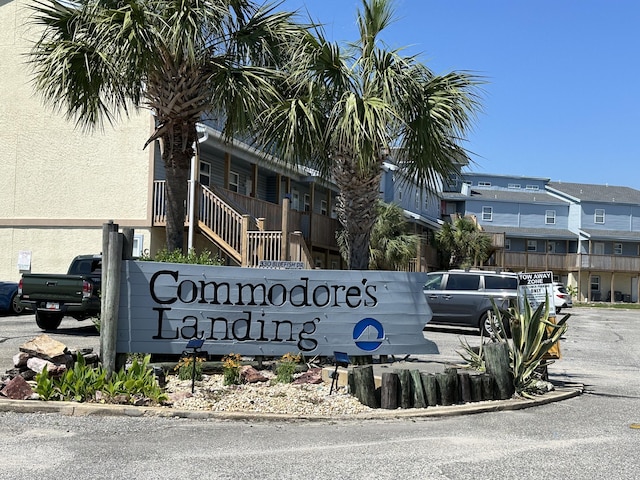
(234, 232)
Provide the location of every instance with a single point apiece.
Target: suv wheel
(486, 327)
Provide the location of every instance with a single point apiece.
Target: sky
(562, 99)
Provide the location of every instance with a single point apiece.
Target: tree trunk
(177, 167)
(356, 206)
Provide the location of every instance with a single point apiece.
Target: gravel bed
(268, 397)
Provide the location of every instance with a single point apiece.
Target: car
(9, 301)
(561, 297)
(466, 297)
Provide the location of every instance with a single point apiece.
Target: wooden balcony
(568, 262)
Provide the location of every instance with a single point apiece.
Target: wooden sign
(270, 312)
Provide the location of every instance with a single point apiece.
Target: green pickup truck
(76, 294)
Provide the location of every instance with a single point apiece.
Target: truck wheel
(48, 321)
(16, 306)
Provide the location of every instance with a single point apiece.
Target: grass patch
(627, 306)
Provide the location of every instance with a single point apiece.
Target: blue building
(588, 235)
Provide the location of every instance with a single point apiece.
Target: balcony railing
(569, 262)
(221, 217)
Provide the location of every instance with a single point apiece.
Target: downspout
(192, 185)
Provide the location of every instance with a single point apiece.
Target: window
(399, 195)
(532, 187)
(532, 246)
(434, 281)
(417, 200)
(487, 214)
(550, 217)
(514, 185)
(507, 244)
(484, 184)
(598, 217)
(595, 283)
(307, 202)
(234, 181)
(205, 174)
(295, 200)
(617, 249)
(494, 282)
(463, 282)
(323, 207)
(138, 245)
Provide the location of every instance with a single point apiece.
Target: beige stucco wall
(58, 184)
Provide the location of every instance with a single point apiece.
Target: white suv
(561, 297)
(463, 297)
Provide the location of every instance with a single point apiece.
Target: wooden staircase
(239, 235)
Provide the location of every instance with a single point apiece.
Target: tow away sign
(537, 286)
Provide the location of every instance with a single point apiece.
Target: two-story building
(588, 235)
(60, 185)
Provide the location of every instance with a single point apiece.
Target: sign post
(538, 288)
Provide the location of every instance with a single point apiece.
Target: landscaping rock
(17, 389)
(43, 346)
(251, 375)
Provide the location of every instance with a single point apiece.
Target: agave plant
(532, 336)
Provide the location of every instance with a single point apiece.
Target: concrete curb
(94, 409)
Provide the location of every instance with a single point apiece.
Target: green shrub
(82, 382)
(176, 256)
(231, 369)
(185, 368)
(286, 368)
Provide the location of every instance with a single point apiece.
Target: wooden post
(497, 363)
(244, 241)
(448, 386)
(487, 387)
(465, 387)
(127, 254)
(430, 388)
(406, 395)
(365, 386)
(389, 391)
(419, 398)
(453, 373)
(127, 243)
(111, 295)
(107, 228)
(284, 246)
(476, 388)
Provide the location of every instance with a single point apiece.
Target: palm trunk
(356, 208)
(177, 151)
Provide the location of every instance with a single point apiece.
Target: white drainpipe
(192, 185)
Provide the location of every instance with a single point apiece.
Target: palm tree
(97, 60)
(463, 242)
(345, 109)
(392, 247)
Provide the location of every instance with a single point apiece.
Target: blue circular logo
(364, 335)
